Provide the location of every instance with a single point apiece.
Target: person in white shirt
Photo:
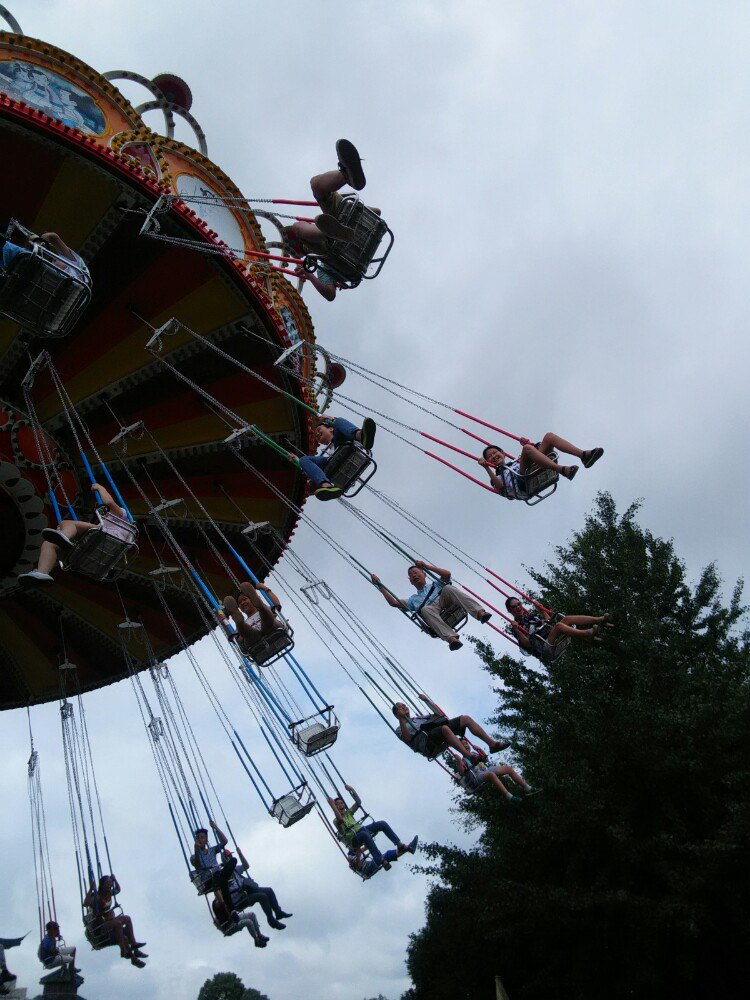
(431, 596)
(508, 475)
(254, 617)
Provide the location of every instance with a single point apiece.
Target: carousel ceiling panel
(63, 183)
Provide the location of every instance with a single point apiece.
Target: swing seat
(290, 809)
(471, 779)
(210, 879)
(314, 737)
(539, 482)
(349, 262)
(96, 933)
(545, 651)
(429, 745)
(357, 862)
(350, 468)
(43, 292)
(268, 648)
(99, 551)
(228, 929)
(454, 617)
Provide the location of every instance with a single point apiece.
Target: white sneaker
(35, 577)
(56, 537)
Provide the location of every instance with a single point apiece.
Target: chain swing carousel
(81, 289)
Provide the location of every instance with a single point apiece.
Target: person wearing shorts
(536, 629)
(475, 779)
(437, 728)
(252, 616)
(508, 475)
(331, 434)
(67, 257)
(320, 235)
(53, 955)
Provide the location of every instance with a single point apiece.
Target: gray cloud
(567, 188)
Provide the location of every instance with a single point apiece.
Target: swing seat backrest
(228, 929)
(540, 482)
(350, 468)
(454, 617)
(97, 933)
(288, 809)
(429, 745)
(208, 880)
(359, 864)
(43, 292)
(266, 649)
(316, 737)
(98, 552)
(351, 261)
(471, 779)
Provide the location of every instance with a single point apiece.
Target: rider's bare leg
(49, 552)
(324, 185)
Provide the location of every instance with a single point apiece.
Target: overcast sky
(567, 183)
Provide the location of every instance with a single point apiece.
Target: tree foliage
(628, 876)
(228, 986)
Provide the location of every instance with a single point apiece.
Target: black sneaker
(350, 164)
(455, 644)
(367, 434)
(589, 457)
(57, 537)
(484, 617)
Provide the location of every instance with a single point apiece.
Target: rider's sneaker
(57, 537)
(35, 577)
(328, 492)
(330, 226)
(455, 644)
(367, 434)
(350, 164)
(411, 847)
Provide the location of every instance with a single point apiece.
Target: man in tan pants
(433, 596)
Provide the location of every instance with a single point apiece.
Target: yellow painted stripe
(72, 215)
(208, 307)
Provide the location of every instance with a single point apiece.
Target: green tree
(628, 876)
(252, 994)
(223, 986)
